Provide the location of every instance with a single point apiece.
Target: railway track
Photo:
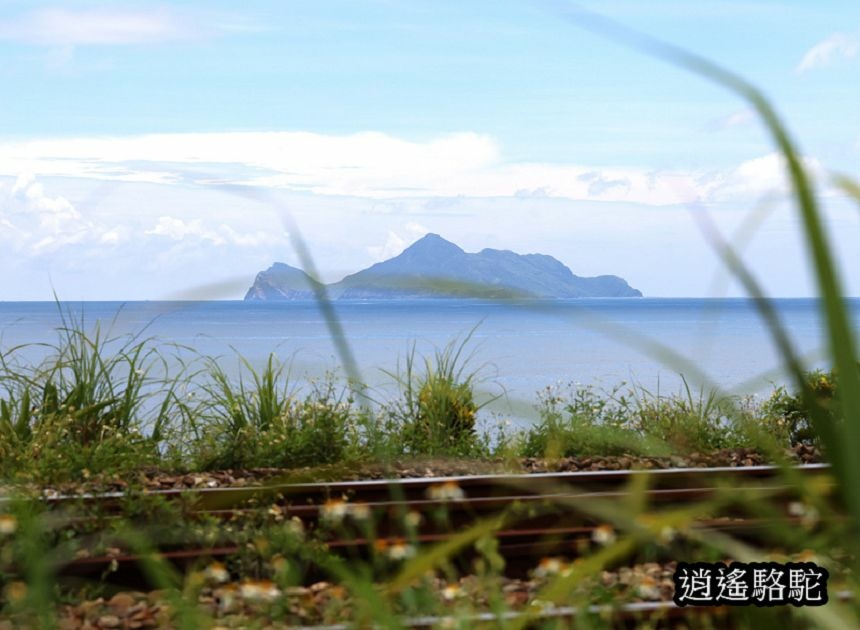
(470, 486)
(549, 513)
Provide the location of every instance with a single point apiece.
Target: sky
(173, 150)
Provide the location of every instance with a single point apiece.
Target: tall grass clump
(437, 407)
(260, 419)
(96, 402)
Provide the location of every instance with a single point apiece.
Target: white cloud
(759, 176)
(825, 52)
(367, 165)
(177, 229)
(65, 27)
(37, 222)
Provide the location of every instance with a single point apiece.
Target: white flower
(334, 510)
(550, 566)
(447, 491)
(400, 550)
(452, 592)
(216, 572)
(603, 535)
(259, 590)
(647, 588)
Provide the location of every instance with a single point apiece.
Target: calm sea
(516, 348)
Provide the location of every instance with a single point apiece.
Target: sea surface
(517, 349)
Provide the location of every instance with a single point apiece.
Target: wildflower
(334, 510)
(275, 512)
(647, 588)
(447, 491)
(259, 590)
(359, 511)
(603, 535)
(550, 566)
(216, 572)
(397, 550)
(8, 524)
(452, 592)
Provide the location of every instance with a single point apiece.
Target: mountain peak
(430, 247)
(434, 243)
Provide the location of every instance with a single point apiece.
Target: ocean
(516, 349)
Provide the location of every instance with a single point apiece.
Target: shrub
(789, 409)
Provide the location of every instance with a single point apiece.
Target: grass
(98, 405)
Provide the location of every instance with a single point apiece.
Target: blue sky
(148, 150)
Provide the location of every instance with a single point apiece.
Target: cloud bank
(373, 165)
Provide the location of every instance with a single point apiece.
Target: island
(433, 267)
